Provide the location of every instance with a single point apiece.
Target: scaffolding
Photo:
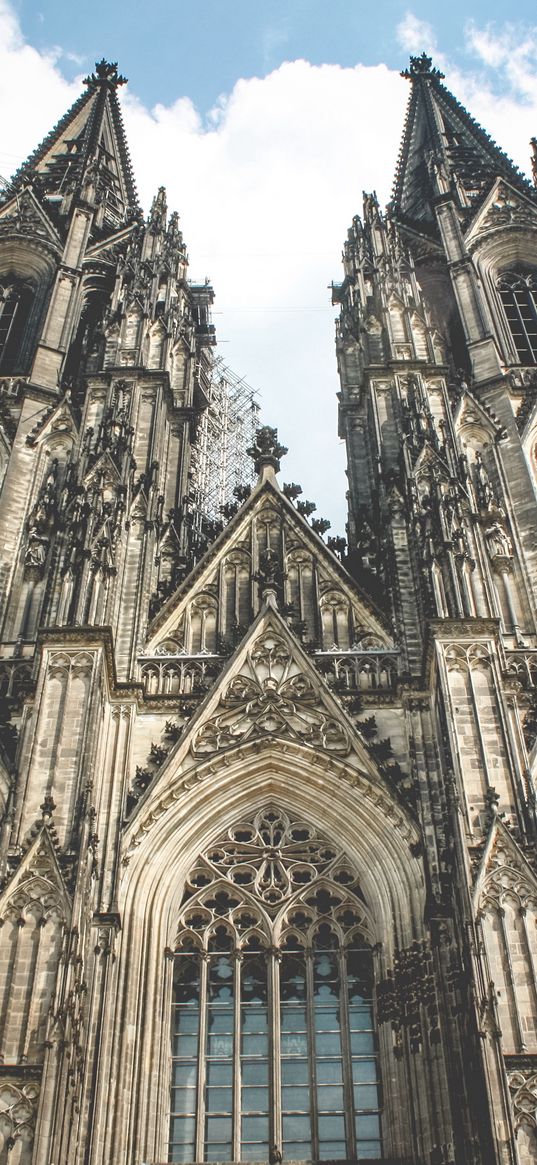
(226, 429)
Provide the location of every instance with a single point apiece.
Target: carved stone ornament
(18, 1110)
(523, 1093)
(271, 697)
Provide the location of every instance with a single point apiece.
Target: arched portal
(273, 1034)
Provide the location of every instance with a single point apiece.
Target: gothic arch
(358, 817)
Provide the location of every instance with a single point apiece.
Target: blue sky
(266, 120)
(178, 47)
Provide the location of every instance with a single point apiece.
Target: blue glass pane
(328, 1043)
(254, 1045)
(218, 1128)
(220, 1046)
(329, 1071)
(327, 1018)
(180, 1153)
(364, 1071)
(254, 1152)
(362, 1042)
(296, 1128)
(184, 1045)
(254, 1100)
(184, 1074)
(254, 1072)
(368, 1150)
(254, 1020)
(294, 1045)
(219, 1100)
(294, 1072)
(216, 1152)
(220, 1020)
(219, 1073)
(366, 1096)
(368, 1127)
(329, 1098)
(295, 1098)
(297, 1150)
(293, 1019)
(255, 1128)
(331, 1127)
(183, 1100)
(333, 1150)
(187, 1020)
(182, 1129)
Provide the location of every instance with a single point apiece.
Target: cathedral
(268, 820)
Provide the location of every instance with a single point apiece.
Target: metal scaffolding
(226, 429)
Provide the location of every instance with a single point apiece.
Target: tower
(267, 802)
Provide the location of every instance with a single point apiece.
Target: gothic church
(267, 801)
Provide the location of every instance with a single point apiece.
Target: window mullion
(202, 1058)
(236, 1127)
(275, 1132)
(311, 1052)
(348, 1092)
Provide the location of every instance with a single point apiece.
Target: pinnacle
(422, 66)
(105, 74)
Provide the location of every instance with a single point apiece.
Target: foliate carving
(407, 994)
(18, 1110)
(266, 449)
(271, 697)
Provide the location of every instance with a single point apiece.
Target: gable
(317, 595)
(504, 207)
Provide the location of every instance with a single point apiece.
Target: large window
(518, 293)
(15, 302)
(273, 1040)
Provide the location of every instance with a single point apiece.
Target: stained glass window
(273, 1037)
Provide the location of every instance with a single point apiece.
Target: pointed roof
(91, 133)
(439, 132)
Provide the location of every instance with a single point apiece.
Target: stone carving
(523, 1092)
(270, 698)
(273, 857)
(266, 449)
(18, 1110)
(406, 994)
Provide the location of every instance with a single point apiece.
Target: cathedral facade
(268, 867)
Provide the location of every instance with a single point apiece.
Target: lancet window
(273, 1036)
(518, 293)
(15, 302)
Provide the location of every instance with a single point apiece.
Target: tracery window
(518, 292)
(273, 1039)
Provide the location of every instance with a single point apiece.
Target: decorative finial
(266, 450)
(422, 67)
(105, 74)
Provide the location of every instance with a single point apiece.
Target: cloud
(266, 185)
(415, 35)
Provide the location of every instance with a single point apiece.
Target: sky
(265, 122)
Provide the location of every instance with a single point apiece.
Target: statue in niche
(498, 542)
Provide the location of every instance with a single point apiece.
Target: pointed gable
(504, 870)
(315, 590)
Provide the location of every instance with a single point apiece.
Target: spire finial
(422, 67)
(266, 450)
(105, 74)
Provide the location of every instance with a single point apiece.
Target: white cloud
(266, 186)
(415, 35)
